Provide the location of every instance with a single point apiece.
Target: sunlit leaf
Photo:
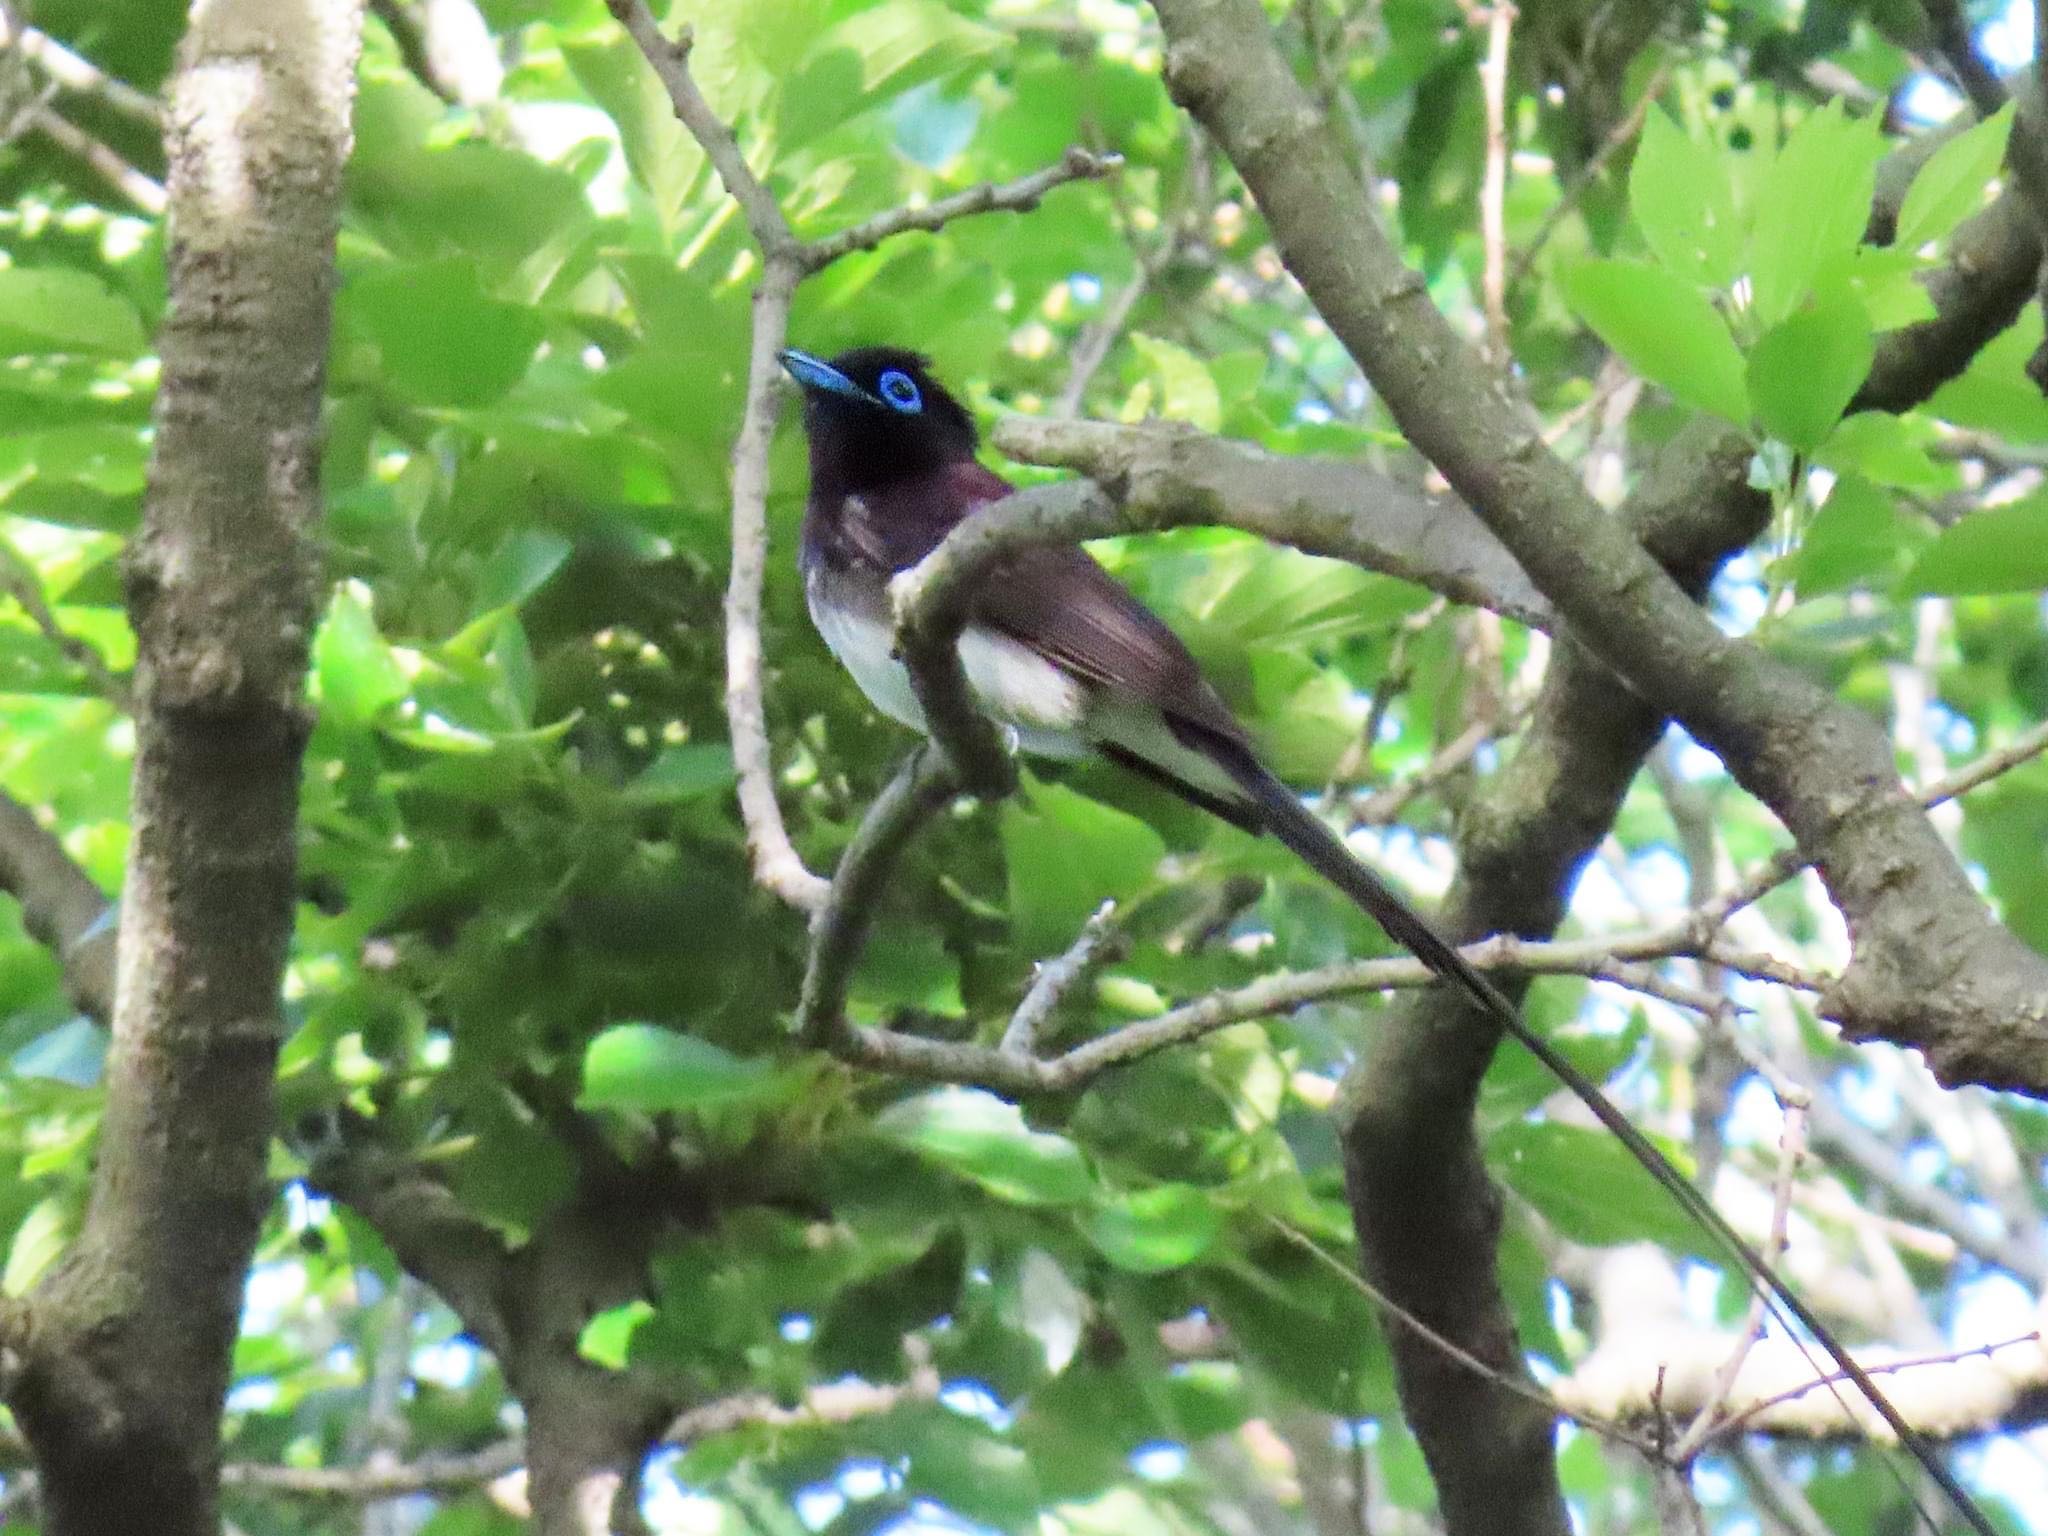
(607, 1339)
(1156, 1229)
(982, 1137)
(1679, 193)
(645, 1067)
(1998, 549)
(1666, 330)
(1950, 186)
(1804, 371)
(1813, 205)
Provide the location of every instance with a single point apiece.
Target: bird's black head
(875, 415)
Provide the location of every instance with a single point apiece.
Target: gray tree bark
(122, 1353)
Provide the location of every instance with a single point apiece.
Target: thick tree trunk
(1428, 1215)
(126, 1346)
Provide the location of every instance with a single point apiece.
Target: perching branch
(1168, 475)
(839, 931)
(1095, 946)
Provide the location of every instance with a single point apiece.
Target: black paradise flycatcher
(1067, 661)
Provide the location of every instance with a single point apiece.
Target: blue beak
(815, 373)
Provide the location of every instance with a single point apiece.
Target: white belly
(1015, 687)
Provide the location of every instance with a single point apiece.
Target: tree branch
(133, 1327)
(78, 74)
(60, 905)
(1650, 1359)
(143, 191)
(1168, 475)
(1019, 196)
(1930, 967)
(840, 929)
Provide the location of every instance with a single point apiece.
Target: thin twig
(778, 867)
(1386, 805)
(1776, 1494)
(1791, 1152)
(1775, 871)
(1493, 187)
(143, 191)
(1099, 338)
(1568, 199)
(76, 73)
(1017, 196)
(671, 64)
(19, 581)
(1737, 1421)
(1450, 1348)
(1095, 947)
(425, 1474)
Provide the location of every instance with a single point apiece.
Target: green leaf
(1994, 393)
(984, 1138)
(444, 340)
(907, 42)
(520, 567)
(645, 1067)
(863, 1331)
(1588, 1186)
(1857, 534)
(1067, 854)
(1884, 281)
(1664, 328)
(1185, 391)
(357, 673)
(2000, 549)
(1804, 372)
(686, 772)
(1155, 1229)
(55, 309)
(42, 1235)
(1950, 186)
(1813, 205)
(1887, 449)
(1678, 189)
(662, 156)
(607, 1339)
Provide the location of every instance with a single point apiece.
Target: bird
(1068, 663)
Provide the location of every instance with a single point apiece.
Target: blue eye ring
(899, 391)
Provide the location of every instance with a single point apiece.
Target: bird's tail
(1282, 813)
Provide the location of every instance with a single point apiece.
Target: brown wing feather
(1075, 614)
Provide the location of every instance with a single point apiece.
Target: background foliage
(529, 947)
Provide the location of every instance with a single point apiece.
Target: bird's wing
(1071, 611)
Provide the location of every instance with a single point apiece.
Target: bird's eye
(900, 390)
